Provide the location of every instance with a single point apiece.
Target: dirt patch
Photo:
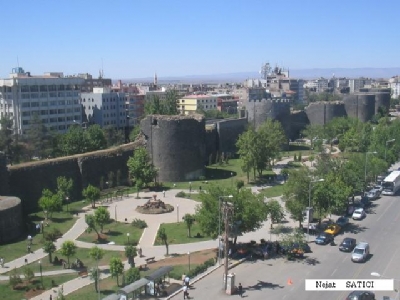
(33, 293)
(182, 259)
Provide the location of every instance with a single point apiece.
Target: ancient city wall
(298, 121)
(261, 110)
(11, 225)
(321, 113)
(4, 180)
(177, 145)
(212, 142)
(382, 99)
(366, 106)
(28, 180)
(228, 132)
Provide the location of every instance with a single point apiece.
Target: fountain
(154, 206)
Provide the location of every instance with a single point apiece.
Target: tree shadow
(263, 285)
(60, 220)
(281, 229)
(311, 261)
(219, 173)
(353, 228)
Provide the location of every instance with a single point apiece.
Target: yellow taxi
(333, 229)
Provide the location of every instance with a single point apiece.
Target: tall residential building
(105, 108)
(394, 84)
(318, 85)
(358, 83)
(90, 82)
(53, 97)
(189, 104)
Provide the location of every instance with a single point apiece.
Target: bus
(391, 183)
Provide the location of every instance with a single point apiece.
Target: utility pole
(228, 212)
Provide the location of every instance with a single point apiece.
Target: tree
(132, 275)
(116, 267)
(140, 167)
(245, 147)
(49, 248)
(28, 274)
(49, 203)
(96, 254)
(249, 214)
(94, 138)
(101, 217)
(285, 174)
(163, 237)
(131, 253)
(73, 141)
(68, 249)
(91, 194)
(189, 221)
(38, 138)
(113, 136)
(275, 211)
(14, 278)
(6, 138)
(92, 226)
(296, 193)
(64, 188)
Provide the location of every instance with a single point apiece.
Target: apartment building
(318, 85)
(356, 84)
(53, 97)
(105, 108)
(190, 104)
(394, 84)
(90, 82)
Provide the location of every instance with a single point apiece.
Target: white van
(360, 252)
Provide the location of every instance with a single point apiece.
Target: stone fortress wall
(362, 105)
(177, 145)
(11, 224)
(4, 181)
(28, 180)
(260, 110)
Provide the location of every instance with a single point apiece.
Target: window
(24, 88)
(61, 111)
(53, 103)
(53, 94)
(34, 96)
(61, 87)
(26, 104)
(53, 111)
(61, 94)
(52, 88)
(25, 122)
(44, 112)
(34, 104)
(44, 95)
(34, 88)
(26, 113)
(61, 102)
(43, 88)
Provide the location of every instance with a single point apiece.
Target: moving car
(361, 295)
(359, 214)
(333, 229)
(360, 252)
(324, 238)
(342, 221)
(347, 245)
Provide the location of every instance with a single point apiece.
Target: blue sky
(135, 38)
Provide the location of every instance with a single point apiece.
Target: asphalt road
(269, 279)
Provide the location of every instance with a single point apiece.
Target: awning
(133, 286)
(112, 297)
(159, 273)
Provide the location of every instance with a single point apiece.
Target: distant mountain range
(294, 73)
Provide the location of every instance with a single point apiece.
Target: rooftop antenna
(102, 69)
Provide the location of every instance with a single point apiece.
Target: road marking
(385, 211)
(333, 272)
(344, 259)
(390, 262)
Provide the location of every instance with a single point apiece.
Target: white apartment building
(104, 107)
(320, 84)
(358, 83)
(394, 84)
(53, 97)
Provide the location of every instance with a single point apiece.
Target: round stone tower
(4, 180)
(176, 145)
(11, 226)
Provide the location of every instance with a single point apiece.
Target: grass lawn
(177, 234)
(225, 175)
(116, 232)
(81, 253)
(274, 191)
(63, 221)
(6, 292)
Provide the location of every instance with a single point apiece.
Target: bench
(143, 267)
(150, 259)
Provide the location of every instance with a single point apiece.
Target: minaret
(155, 79)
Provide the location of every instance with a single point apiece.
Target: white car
(378, 188)
(359, 214)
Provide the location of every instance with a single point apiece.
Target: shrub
(28, 273)
(52, 235)
(15, 279)
(295, 158)
(239, 184)
(181, 194)
(299, 159)
(141, 224)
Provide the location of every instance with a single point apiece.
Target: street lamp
(127, 235)
(365, 168)
(177, 213)
(190, 187)
(67, 200)
(386, 144)
(309, 205)
(41, 274)
(219, 226)
(189, 260)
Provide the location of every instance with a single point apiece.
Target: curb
(201, 276)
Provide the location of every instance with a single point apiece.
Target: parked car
(333, 229)
(378, 188)
(324, 238)
(360, 252)
(372, 195)
(342, 221)
(365, 201)
(359, 214)
(361, 295)
(347, 245)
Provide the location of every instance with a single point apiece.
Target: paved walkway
(125, 209)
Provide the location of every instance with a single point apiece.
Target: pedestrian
(240, 290)
(140, 251)
(200, 188)
(29, 248)
(230, 253)
(185, 292)
(163, 193)
(26, 261)
(51, 297)
(2, 262)
(187, 280)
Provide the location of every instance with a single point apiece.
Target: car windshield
(346, 242)
(322, 237)
(358, 251)
(358, 211)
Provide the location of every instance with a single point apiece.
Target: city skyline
(135, 39)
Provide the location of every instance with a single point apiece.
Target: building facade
(52, 97)
(190, 104)
(356, 84)
(394, 84)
